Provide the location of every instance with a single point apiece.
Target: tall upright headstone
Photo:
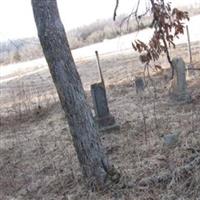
(102, 114)
(103, 117)
(178, 90)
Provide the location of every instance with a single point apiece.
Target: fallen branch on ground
(165, 178)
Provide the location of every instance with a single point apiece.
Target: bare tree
(93, 161)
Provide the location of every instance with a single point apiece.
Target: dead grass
(37, 158)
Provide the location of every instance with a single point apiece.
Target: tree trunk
(93, 162)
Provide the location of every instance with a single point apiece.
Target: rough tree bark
(93, 162)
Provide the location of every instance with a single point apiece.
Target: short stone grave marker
(178, 90)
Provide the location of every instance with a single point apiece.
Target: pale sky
(16, 17)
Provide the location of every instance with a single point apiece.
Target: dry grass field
(37, 158)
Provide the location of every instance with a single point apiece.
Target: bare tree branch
(115, 11)
(133, 12)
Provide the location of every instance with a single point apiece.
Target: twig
(193, 69)
(145, 124)
(135, 13)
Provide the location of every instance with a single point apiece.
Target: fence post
(189, 45)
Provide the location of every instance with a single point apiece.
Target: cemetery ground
(37, 158)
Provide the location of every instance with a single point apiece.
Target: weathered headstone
(178, 90)
(139, 84)
(102, 114)
(103, 118)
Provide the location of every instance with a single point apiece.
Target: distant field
(117, 45)
(29, 48)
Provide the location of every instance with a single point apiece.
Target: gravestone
(103, 117)
(178, 90)
(139, 84)
(104, 120)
